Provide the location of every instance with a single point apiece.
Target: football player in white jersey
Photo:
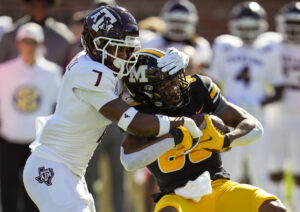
(181, 18)
(88, 101)
(245, 66)
(286, 119)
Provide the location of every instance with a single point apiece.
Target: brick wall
(213, 13)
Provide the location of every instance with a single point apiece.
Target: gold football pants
(227, 196)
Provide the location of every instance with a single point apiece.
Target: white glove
(195, 132)
(173, 61)
(191, 126)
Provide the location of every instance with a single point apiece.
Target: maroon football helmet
(110, 25)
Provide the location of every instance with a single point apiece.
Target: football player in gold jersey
(189, 172)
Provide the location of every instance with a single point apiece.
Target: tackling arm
(144, 125)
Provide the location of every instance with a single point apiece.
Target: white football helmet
(181, 18)
(288, 22)
(248, 21)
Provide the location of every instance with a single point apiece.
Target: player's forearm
(246, 132)
(140, 152)
(144, 125)
(136, 123)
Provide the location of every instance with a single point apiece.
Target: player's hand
(212, 139)
(183, 140)
(173, 61)
(194, 130)
(192, 127)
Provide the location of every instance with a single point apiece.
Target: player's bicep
(233, 115)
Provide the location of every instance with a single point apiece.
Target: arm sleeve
(253, 135)
(146, 156)
(275, 67)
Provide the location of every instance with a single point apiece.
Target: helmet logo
(138, 75)
(105, 22)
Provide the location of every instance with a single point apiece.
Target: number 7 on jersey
(99, 77)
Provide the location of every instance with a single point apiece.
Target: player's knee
(276, 177)
(272, 206)
(168, 209)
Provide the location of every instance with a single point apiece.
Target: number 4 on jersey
(244, 76)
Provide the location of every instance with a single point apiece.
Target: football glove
(173, 61)
(213, 139)
(183, 140)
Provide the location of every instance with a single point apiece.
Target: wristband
(127, 118)
(164, 125)
(177, 135)
(226, 141)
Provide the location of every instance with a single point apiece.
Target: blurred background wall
(213, 13)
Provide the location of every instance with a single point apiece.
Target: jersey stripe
(214, 91)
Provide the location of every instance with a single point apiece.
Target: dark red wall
(213, 13)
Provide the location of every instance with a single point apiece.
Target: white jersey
(291, 67)
(245, 70)
(202, 47)
(26, 92)
(290, 57)
(71, 135)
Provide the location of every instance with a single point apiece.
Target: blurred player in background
(28, 89)
(185, 176)
(285, 119)
(88, 101)
(181, 19)
(150, 28)
(57, 34)
(245, 67)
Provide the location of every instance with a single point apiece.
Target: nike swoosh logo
(209, 139)
(199, 111)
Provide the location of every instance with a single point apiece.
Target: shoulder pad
(228, 41)
(90, 75)
(269, 38)
(155, 42)
(206, 83)
(201, 41)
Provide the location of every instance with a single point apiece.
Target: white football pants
(53, 187)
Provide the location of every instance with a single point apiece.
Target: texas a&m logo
(45, 176)
(105, 22)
